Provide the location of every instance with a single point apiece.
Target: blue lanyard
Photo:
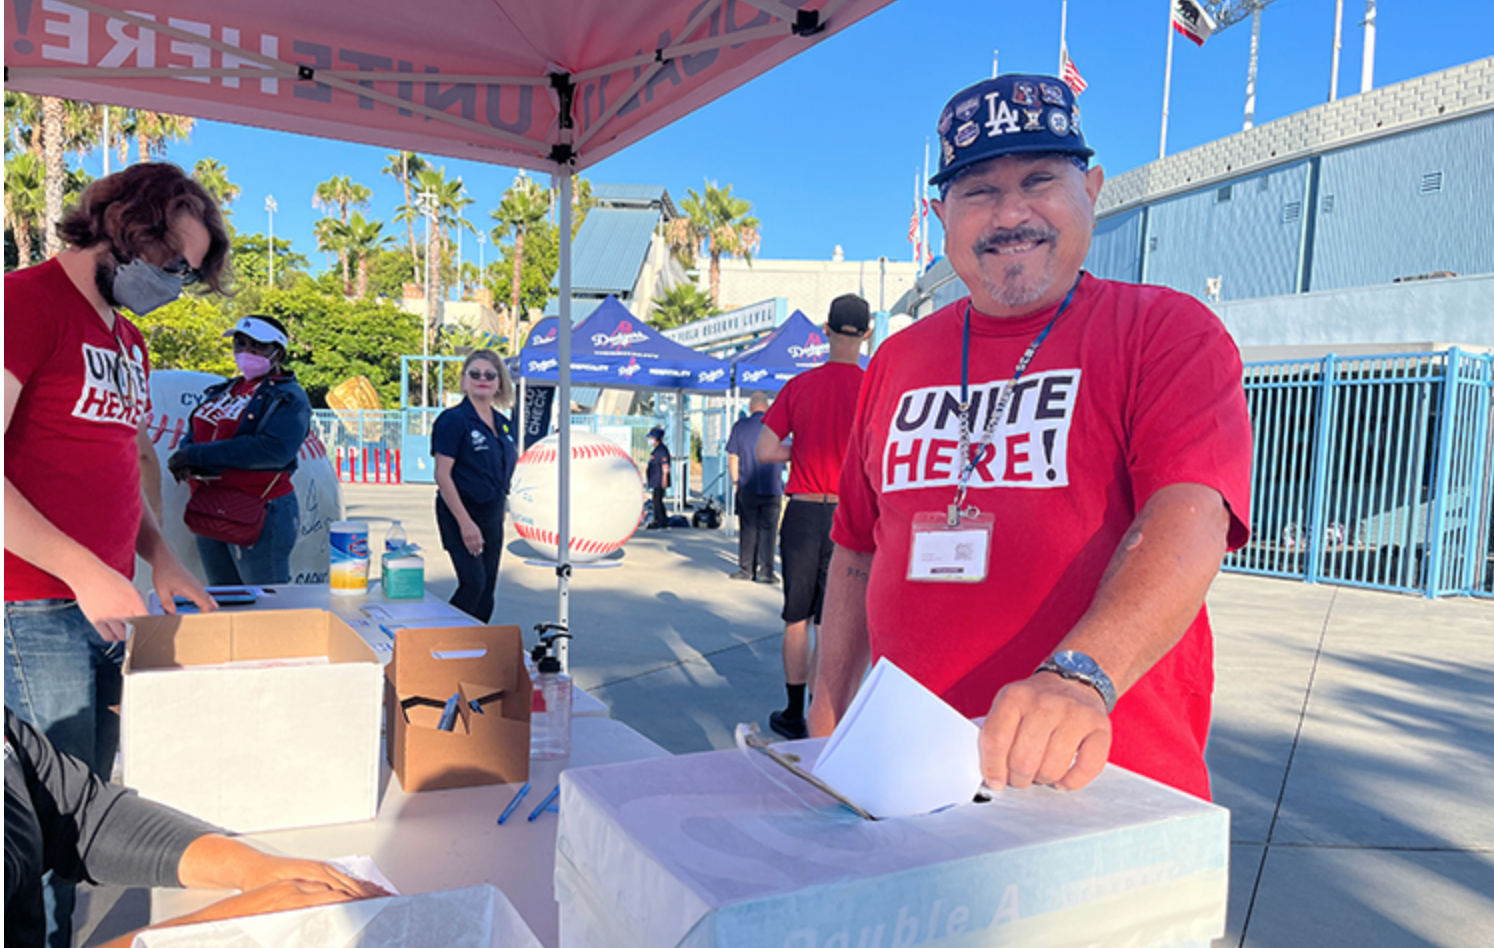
(993, 419)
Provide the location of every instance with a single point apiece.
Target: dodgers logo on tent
(549, 336)
(622, 337)
(712, 375)
(629, 370)
(815, 347)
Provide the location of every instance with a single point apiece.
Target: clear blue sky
(826, 146)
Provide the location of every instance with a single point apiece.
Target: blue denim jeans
(267, 561)
(63, 679)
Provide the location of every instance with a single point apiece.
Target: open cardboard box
(481, 663)
(253, 721)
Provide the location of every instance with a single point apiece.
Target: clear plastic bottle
(394, 542)
(550, 724)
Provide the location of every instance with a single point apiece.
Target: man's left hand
(172, 579)
(1045, 730)
(178, 466)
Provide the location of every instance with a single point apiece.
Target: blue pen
(545, 803)
(449, 715)
(386, 630)
(513, 804)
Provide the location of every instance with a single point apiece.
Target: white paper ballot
(901, 750)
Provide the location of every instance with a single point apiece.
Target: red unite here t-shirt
(817, 408)
(1136, 388)
(71, 447)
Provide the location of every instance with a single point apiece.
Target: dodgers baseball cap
(1008, 115)
(849, 314)
(260, 331)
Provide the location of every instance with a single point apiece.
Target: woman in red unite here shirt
(245, 436)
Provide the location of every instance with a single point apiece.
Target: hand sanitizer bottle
(550, 723)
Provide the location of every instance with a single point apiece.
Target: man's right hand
(108, 600)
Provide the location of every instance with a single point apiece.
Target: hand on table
(1045, 730)
(472, 537)
(173, 579)
(270, 870)
(282, 896)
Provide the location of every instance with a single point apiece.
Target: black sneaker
(768, 580)
(740, 574)
(795, 729)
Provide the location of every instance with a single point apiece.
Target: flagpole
(1063, 33)
(1338, 42)
(1166, 84)
(1255, 58)
(917, 250)
(923, 197)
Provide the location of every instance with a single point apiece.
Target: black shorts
(804, 544)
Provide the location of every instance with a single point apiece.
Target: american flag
(1070, 74)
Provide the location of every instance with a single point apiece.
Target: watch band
(1077, 666)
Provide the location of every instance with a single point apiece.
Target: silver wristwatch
(1076, 666)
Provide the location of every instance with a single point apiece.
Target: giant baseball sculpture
(173, 395)
(606, 497)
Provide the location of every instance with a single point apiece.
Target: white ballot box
(709, 850)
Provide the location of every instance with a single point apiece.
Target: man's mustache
(1016, 235)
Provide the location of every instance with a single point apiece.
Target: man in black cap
(1043, 477)
(658, 476)
(816, 409)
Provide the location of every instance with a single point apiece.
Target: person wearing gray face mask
(76, 452)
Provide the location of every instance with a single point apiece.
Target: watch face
(1076, 662)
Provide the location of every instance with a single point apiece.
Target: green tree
(333, 339)
(188, 334)
(340, 192)
(25, 202)
(404, 167)
(718, 224)
(361, 239)
(388, 272)
(213, 176)
(683, 304)
(154, 131)
(448, 199)
(537, 274)
(251, 267)
(525, 205)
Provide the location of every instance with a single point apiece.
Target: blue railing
(1373, 471)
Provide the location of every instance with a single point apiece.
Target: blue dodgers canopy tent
(796, 346)
(615, 349)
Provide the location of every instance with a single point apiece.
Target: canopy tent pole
(682, 487)
(728, 423)
(563, 345)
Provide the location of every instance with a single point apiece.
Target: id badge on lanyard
(945, 553)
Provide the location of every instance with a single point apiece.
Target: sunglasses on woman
(478, 375)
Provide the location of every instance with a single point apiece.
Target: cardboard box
(288, 738)
(482, 663)
(709, 851)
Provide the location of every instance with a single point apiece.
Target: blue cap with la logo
(1008, 115)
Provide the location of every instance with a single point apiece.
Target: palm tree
(330, 236)
(524, 205)
(362, 239)
(404, 166)
(683, 304)
(25, 201)
(341, 192)
(153, 131)
(719, 224)
(213, 176)
(54, 121)
(450, 198)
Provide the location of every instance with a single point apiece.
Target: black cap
(1008, 115)
(849, 314)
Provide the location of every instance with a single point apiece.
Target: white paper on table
(406, 611)
(901, 750)
(362, 867)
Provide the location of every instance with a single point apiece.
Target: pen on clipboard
(513, 804)
(545, 804)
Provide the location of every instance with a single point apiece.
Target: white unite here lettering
(1029, 447)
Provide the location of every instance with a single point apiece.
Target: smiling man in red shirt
(1042, 478)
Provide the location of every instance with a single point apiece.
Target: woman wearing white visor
(239, 454)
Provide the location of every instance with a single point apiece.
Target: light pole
(482, 243)
(427, 203)
(270, 208)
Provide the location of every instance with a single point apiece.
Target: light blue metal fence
(1374, 472)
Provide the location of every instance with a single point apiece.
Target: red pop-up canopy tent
(543, 84)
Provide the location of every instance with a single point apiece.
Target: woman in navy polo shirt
(475, 456)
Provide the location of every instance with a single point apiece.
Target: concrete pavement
(1353, 735)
